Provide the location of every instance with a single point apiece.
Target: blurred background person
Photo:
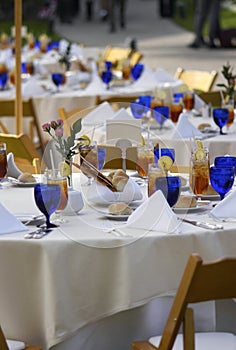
(206, 9)
(113, 5)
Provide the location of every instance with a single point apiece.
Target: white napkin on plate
(122, 114)
(154, 214)
(99, 115)
(9, 223)
(226, 207)
(185, 129)
(12, 169)
(100, 194)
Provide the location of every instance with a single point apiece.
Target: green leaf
(77, 126)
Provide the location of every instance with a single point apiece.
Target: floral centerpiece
(66, 146)
(229, 86)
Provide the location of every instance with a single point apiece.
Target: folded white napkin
(100, 194)
(185, 129)
(154, 214)
(226, 207)
(76, 50)
(12, 169)
(162, 76)
(63, 44)
(9, 223)
(122, 114)
(96, 85)
(32, 88)
(146, 80)
(15, 345)
(99, 115)
(198, 102)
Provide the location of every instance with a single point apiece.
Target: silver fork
(37, 234)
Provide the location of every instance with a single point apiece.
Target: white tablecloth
(52, 288)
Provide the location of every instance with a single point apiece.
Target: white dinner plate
(201, 205)
(210, 197)
(23, 184)
(113, 216)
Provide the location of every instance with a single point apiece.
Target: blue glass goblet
(3, 79)
(137, 71)
(225, 162)
(161, 114)
(58, 79)
(170, 187)
(101, 157)
(108, 65)
(170, 152)
(220, 116)
(137, 109)
(107, 77)
(47, 198)
(222, 180)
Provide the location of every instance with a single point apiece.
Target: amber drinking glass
(145, 156)
(3, 160)
(176, 108)
(188, 101)
(199, 177)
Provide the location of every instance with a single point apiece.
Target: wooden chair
(69, 117)
(7, 109)
(115, 54)
(197, 80)
(135, 57)
(114, 160)
(213, 97)
(118, 102)
(200, 282)
(26, 156)
(4, 343)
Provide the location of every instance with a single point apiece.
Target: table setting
(91, 242)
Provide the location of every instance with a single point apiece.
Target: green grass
(227, 17)
(34, 26)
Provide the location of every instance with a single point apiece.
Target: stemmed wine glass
(58, 79)
(3, 79)
(170, 187)
(107, 77)
(3, 161)
(222, 180)
(54, 177)
(220, 116)
(88, 157)
(47, 198)
(161, 114)
(137, 109)
(101, 157)
(137, 71)
(225, 162)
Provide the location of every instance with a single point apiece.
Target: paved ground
(162, 42)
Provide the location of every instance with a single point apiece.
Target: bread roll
(26, 177)
(119, 179)
(203, 126)
(119, 208)
(186, 201)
